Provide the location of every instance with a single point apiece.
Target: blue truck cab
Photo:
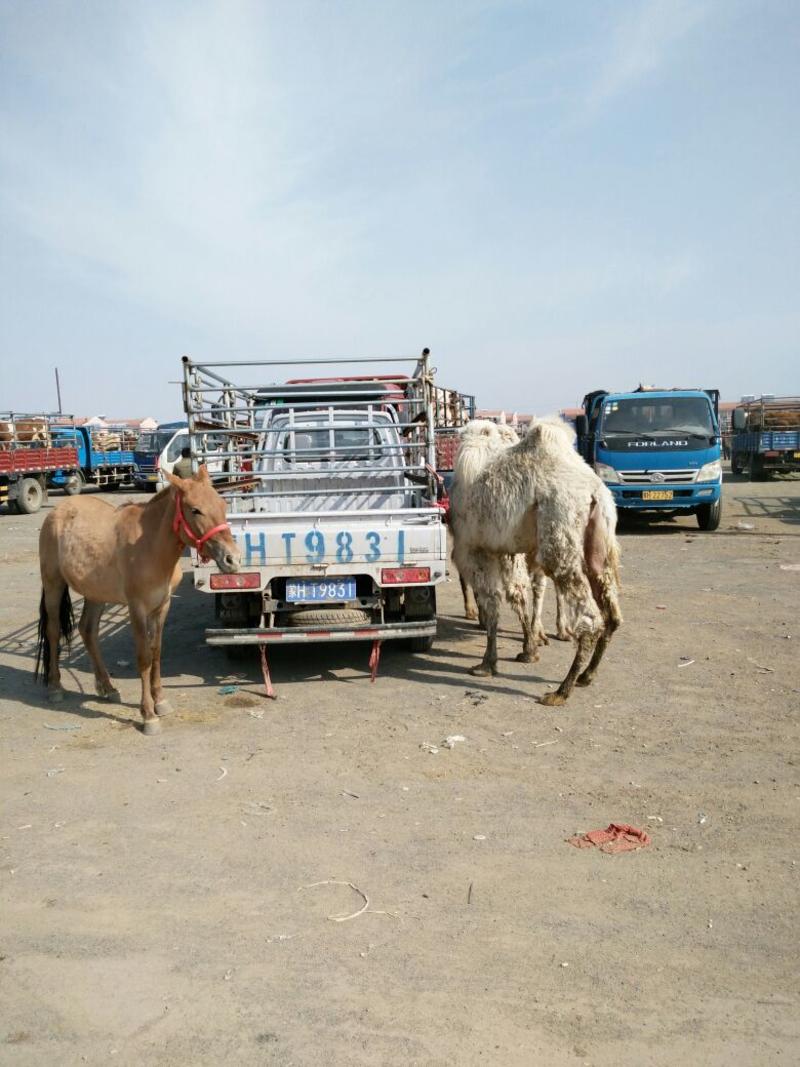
(103, 460)
(657, 450)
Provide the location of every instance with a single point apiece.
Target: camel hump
(550, 432)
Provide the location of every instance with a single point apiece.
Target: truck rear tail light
(405, 575)
(235, 581)
(771, 455)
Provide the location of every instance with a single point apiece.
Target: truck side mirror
(581, 425)
(739, 419)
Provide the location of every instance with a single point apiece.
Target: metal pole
(58, 390)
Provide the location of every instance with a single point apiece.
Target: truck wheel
(30, 496)
(76, 485)
(421, 644)
(757, 472)
(709, 515)
(329, 617)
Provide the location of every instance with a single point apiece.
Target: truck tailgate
(345, 538)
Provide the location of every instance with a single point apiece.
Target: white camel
(481, 440)
(540, 500)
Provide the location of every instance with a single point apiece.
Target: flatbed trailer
(105, 455)
(766, 437)
(30, 455)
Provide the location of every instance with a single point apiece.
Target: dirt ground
(159, 903)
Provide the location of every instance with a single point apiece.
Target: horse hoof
(472, 616)
(150, 727)
(552, 700)
(583, 680)
(113, 696)
(482, 671)
(163, 707)
(563, 637)
(55, 696)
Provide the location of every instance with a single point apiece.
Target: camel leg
(518, 595)
(89, 627)
(563, 632)
(586, 643)
(578, 593)
(158, 618)
(538, 585)
(606, 597)
(54, 590)
(141, 624)
(470, 607)
(488, 590)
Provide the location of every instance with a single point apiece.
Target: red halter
(180, 525)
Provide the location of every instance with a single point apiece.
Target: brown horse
(125, 555)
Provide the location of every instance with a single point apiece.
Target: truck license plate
(312, 590)
(657, 494)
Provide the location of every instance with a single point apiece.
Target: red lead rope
(180, 525)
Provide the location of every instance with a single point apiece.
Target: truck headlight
(710, 472)
(608, 474)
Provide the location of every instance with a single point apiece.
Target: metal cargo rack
(248, 470)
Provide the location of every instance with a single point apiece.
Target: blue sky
(555, 197)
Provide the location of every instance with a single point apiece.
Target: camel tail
(66, 622)
(610, 578)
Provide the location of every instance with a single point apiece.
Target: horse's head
(200, 520)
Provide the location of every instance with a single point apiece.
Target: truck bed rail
(347, 442)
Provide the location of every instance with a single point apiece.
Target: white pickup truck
(332, 498)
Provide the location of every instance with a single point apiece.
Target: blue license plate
(312, 590)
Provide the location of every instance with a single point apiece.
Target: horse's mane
(142, 503)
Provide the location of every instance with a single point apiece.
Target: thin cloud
(642, 43)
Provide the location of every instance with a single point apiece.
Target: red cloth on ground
(618, 837)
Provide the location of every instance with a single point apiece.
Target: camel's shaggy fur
(481, 441)
(538, 499)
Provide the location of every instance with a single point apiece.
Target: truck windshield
(654, 415)
(154, 442)
(313, 446)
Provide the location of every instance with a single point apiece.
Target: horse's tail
(66, 624)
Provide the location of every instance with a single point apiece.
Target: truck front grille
(672, 477)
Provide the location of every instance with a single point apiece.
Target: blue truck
(766, 437)
(658, 450)
(105, 457)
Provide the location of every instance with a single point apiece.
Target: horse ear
(173, 479)
(202, 473)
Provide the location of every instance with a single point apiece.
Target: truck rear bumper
(683, 496)
(293, 635)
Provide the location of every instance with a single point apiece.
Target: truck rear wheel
(757, 472)
(30, 496)
(421, 644)
(709, 515)
(75, 485)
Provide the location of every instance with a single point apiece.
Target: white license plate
(312, 590)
